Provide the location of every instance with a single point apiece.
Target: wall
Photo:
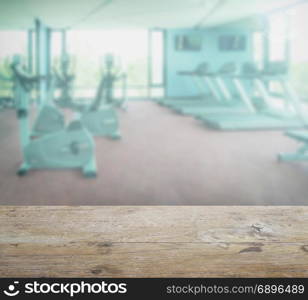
(183, 86)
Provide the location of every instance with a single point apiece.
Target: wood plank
(154, 241)
(156, 224)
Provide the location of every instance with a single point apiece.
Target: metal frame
(43, 57)
(30, 50)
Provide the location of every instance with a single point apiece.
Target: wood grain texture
(153, 241)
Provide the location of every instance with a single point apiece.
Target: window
(88, 49)
(232, 43)
(258, 48)
(156, 64)
(12, 42)
(188, 43)
(278, 37)
(299, 49)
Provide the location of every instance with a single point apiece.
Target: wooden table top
(129, 241)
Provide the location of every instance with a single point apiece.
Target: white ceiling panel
(101, 14)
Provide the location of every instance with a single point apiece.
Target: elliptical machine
(67, 148)
(111, 76)
(100, 117)
(6, 83)
(64, 82)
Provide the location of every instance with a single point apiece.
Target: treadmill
(208, 91)
(259, 117)
(229, 101)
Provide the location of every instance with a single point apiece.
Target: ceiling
(104, 14)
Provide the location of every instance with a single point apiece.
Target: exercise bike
(68, 148)
(49, 118)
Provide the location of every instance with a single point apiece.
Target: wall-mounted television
(232, 42)
(188, 43)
